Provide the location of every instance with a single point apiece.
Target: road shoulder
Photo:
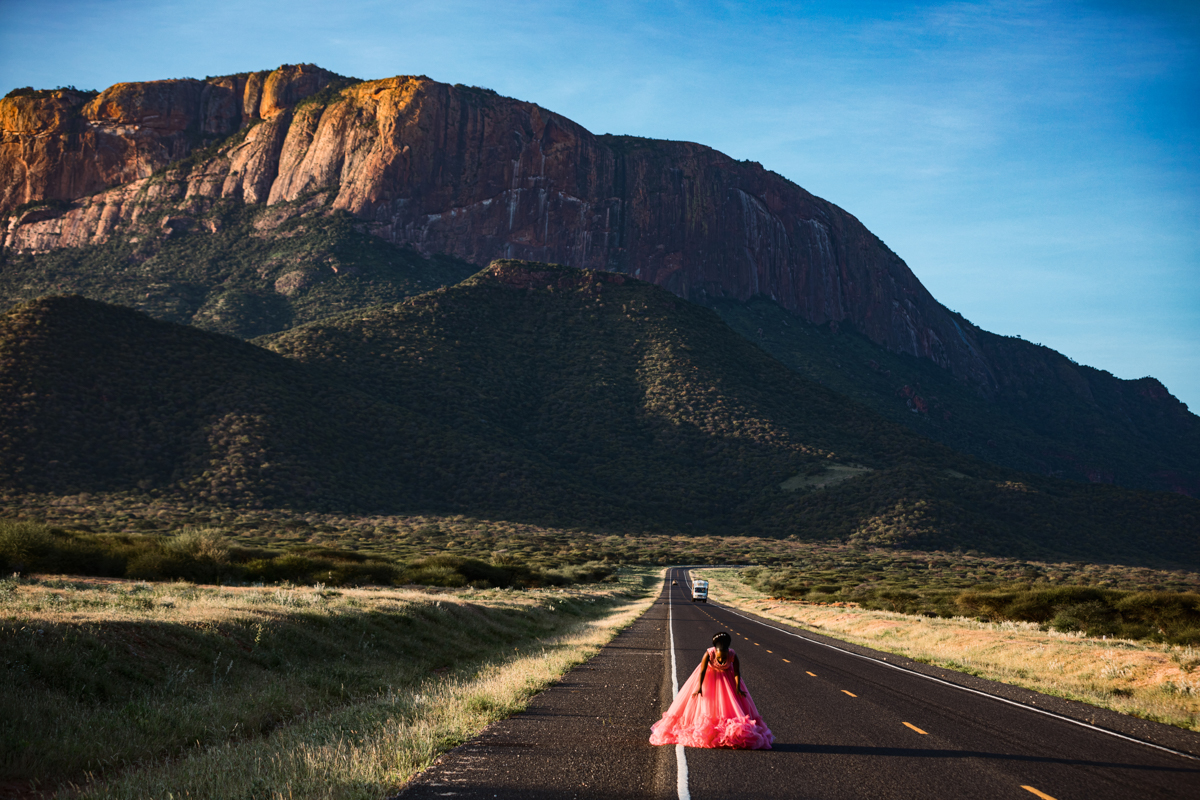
(585, 737)
(1155, 733)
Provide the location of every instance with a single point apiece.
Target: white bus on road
(699, 591)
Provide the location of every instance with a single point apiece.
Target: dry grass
(828, 476)
(370, 748)
(315, 693)
(1152, 681)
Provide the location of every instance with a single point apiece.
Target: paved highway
(847, 727)
(853, 727)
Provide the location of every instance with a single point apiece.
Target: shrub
(1167, 616)
(898, 600)
(1087, 617)
(444, 570)
(23, 544)
(590, 572)
(153, 565)
(205, 555)
(200, 544)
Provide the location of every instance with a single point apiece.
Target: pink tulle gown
(719, 717)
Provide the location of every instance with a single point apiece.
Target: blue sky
(1035, 163)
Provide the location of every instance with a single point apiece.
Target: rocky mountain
(66, 144)
(469, 173)
(529, 392)
(462, 173)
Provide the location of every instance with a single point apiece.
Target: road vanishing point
(849, 723)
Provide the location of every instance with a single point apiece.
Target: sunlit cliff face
(463, 171)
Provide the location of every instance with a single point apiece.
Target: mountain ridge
(468, 173)
(464, 175)
(1132, 433)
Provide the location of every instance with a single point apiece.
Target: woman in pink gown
(713, 708)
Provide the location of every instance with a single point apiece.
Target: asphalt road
(585, 737)
(846, 727)
(851, 727)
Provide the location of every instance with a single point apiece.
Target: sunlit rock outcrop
(464, 171)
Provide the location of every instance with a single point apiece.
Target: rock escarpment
(463, 171)
(65, 144)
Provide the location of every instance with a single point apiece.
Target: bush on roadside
(589, 572)
(459, 571)
(1166, 616)
(205, 555)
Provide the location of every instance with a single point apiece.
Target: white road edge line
(681, 772)
(964, 688)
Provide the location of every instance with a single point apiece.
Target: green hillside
(526, 393)
(1072, 421)
(244, 270)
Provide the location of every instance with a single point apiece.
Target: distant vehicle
(674, 583)
(700, 591)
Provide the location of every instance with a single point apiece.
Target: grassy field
(408, 537)
(124, 689)
(1154, 681)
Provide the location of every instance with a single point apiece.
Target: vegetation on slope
(251, 270)
(587, 369)
(608, 391)
(1076, 422)
(528, 393)
(243, 270)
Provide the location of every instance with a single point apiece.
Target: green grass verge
(140, 690)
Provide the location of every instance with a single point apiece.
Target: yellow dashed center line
(811, 673)
(786, 661)
(772, 652)
(915, 728)
(1042, 795)
(756, 644)
(852, 694)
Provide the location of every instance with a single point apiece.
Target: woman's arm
(703, 669)
(737, 675)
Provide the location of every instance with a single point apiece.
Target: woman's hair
(722, 640)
